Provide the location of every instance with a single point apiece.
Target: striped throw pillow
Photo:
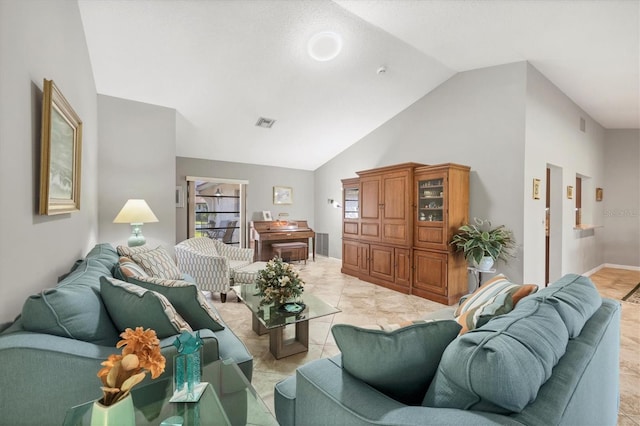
(129, 268)
(496, 297)
(158, 263)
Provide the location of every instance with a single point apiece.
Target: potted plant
(482, 244)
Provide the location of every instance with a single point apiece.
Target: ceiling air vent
(265, 122)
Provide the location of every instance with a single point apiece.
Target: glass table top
(228, 400)
(273, 317)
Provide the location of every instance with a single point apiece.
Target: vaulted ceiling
(223, 64)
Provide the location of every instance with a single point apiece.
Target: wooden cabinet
(377, 235)
(442, 206)
(397, 224)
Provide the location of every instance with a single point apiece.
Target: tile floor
(366, 304)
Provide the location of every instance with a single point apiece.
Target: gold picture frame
(599, 194)
(282, 195)
(60, 154)
(570, 192)
(536, 189)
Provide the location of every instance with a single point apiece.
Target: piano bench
(296, 251)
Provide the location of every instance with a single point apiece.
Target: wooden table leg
(281, 348)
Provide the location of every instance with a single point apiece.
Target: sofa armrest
(328, 395)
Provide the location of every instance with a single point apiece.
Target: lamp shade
(135, 211)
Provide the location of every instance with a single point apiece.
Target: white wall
(137, 160)
(261, 179)
(553, 136)
(621, 199)
(475, 118)
(41, 39)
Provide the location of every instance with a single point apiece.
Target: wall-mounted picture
(266, 215)
(536, 189)
(282, 195)
(570, 192)
(60, 154)
(599, 194)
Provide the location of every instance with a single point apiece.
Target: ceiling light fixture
(324, 46)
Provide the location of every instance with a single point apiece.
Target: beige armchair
(211, 262)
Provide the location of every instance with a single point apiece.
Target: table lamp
(136, 212)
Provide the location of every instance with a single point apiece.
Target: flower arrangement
(278, 282)
(120, 373)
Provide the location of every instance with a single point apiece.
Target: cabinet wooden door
(370, 207)
(355, 258)
(432, 208)
(351, 208)
(381, 263)
(430, 271)
(396, 208)
(402, 267)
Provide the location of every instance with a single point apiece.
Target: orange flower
(140, 353)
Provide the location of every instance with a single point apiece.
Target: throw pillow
(500, 367)
(127, 251)
(74, 308)
(128, 268)
(497, 296)
(131, 306)
(186, 298)
(157, 263)
(401, 363)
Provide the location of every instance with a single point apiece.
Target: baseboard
(611, 265)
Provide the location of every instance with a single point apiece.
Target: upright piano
(263, 233)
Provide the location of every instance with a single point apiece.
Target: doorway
(216, 209)
(553, 224)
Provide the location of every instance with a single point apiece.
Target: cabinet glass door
(351, 199)
(431, 200)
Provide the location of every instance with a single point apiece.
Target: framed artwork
(179, 196)
(536, 189)
(282, 195)
(266, 215)
(570, 192)
(60, 154)
(599, 194)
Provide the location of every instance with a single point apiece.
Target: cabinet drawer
(350, 228)
(431, 237)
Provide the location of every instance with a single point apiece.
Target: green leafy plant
(479, 239)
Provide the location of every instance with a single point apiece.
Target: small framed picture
(536, 189)
(598, 194)
(282, 195)
(570, 192)
(266, 215)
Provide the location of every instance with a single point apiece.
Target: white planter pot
(485, 264)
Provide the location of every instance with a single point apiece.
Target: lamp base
(136, 239)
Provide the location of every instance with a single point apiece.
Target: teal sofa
(50, 355)
(552, 360)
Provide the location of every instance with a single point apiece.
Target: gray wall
(621, 199)
(475, 118)
(554, 137)
(137, 160)
(41, 39)
(261, 179)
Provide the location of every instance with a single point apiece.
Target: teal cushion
(500, 366)
(400, 363)
(132, 306)
(73, 309)
(105, 254)
(575, 298)
(186, 298)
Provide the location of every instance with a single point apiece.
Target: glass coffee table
(273, 320)
(228, 400)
